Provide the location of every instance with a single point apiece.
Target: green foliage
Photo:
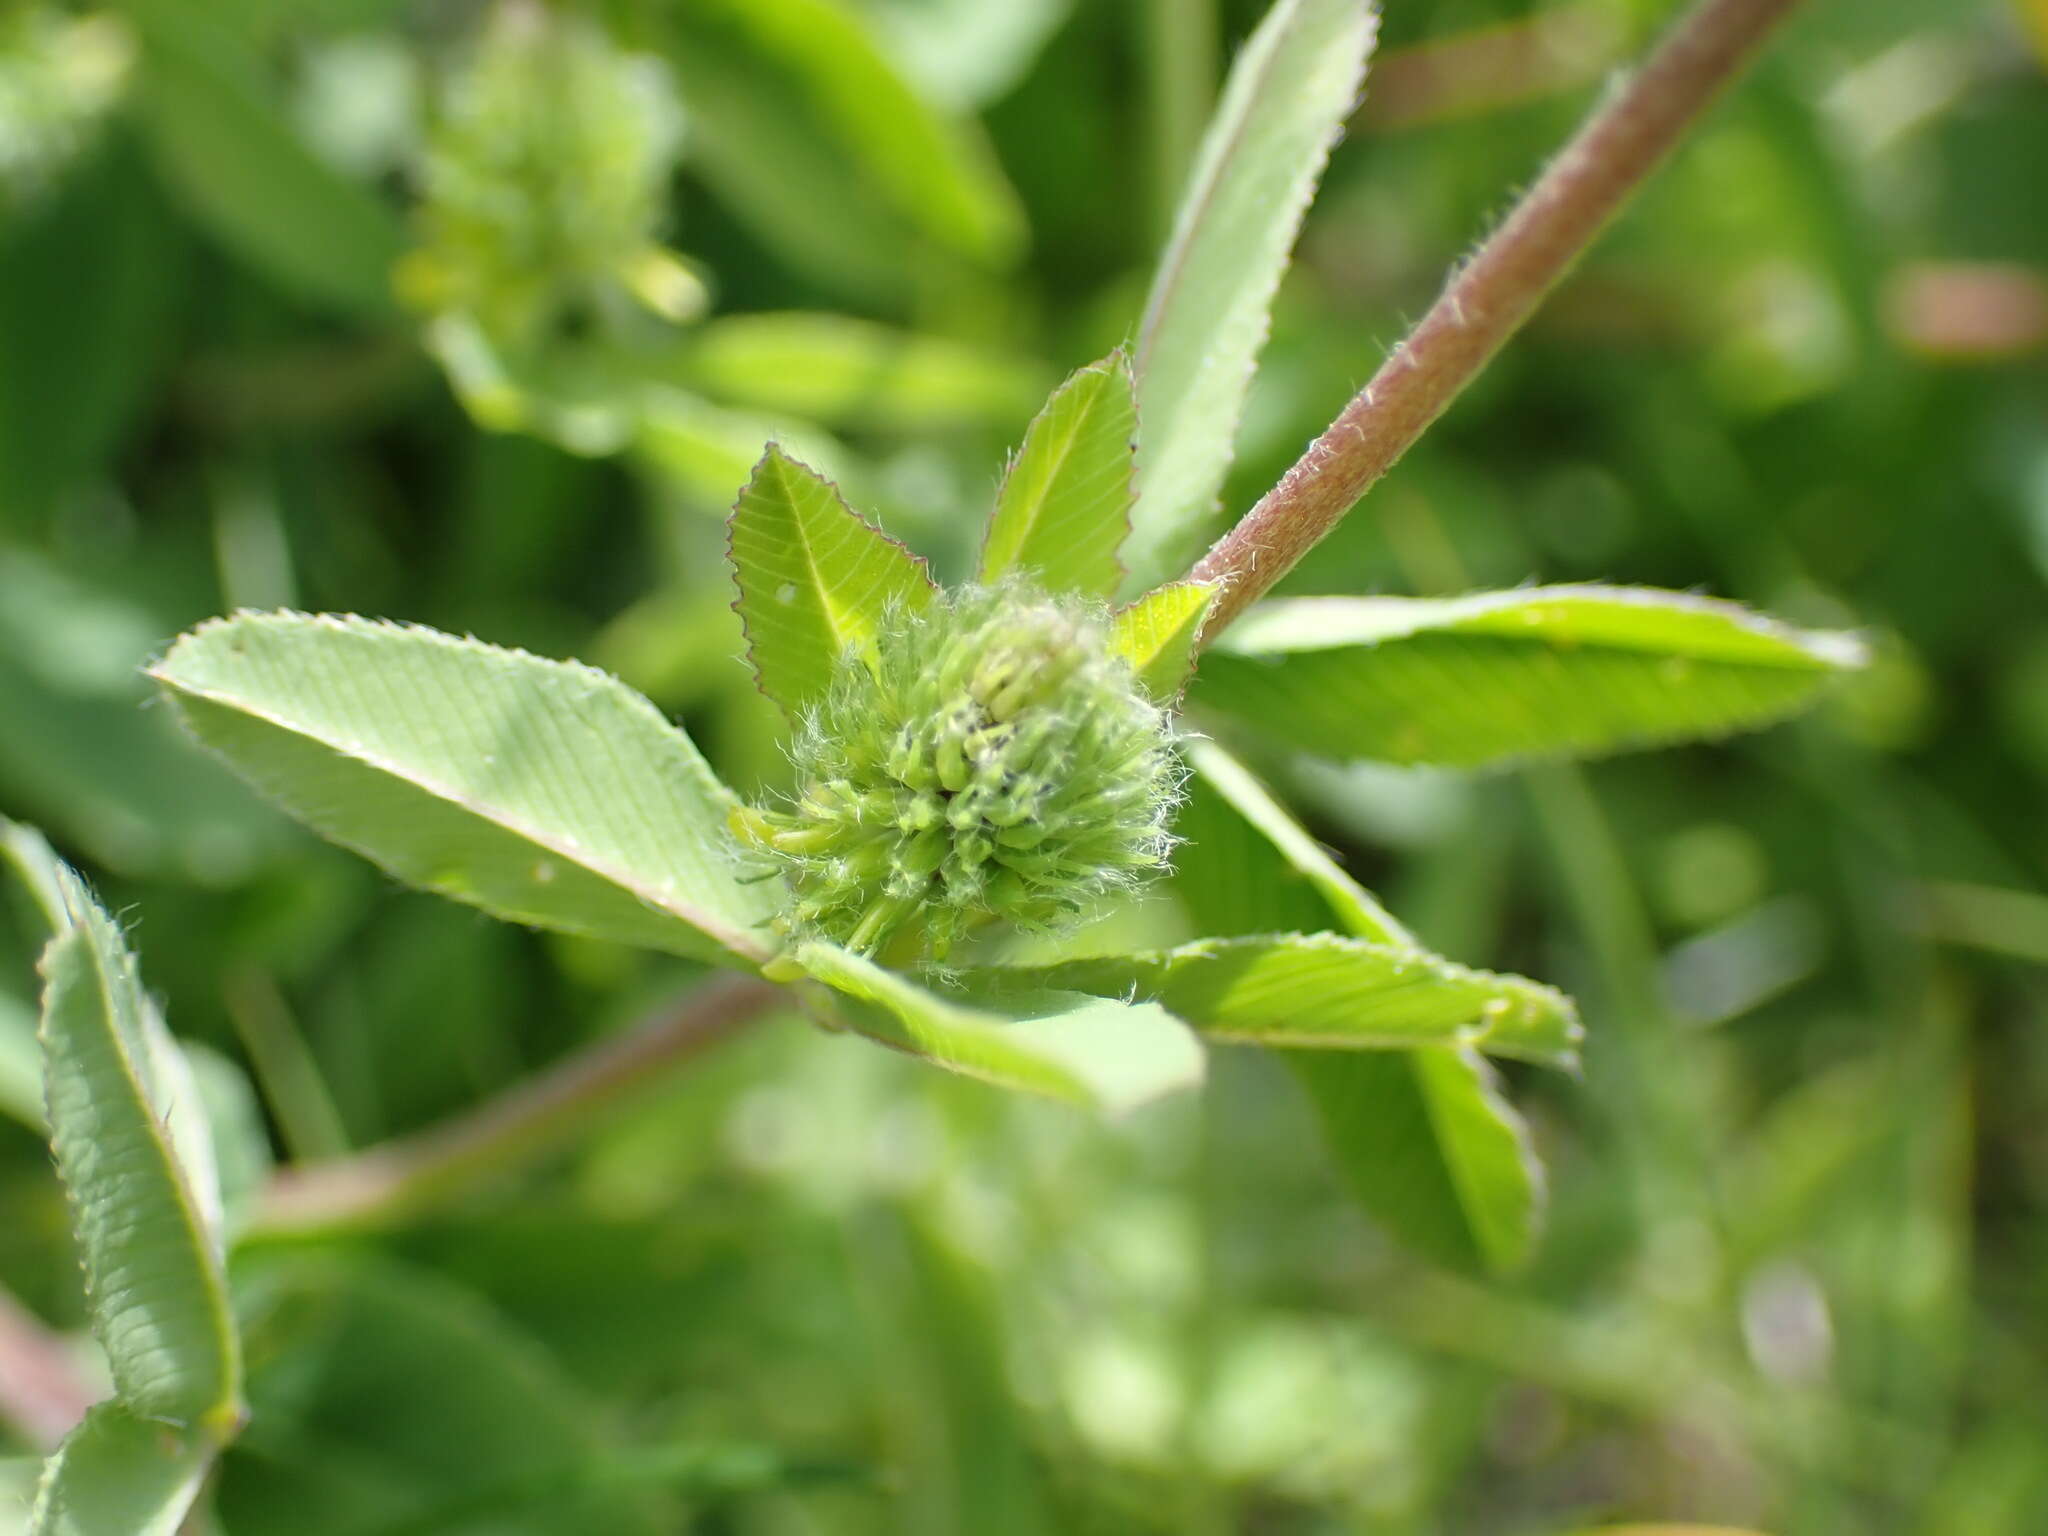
(130, 1134)
(473, 772)
(131, 1141)
(236, 163)
(120, 1472)
(1544, 671)
(1065, 506)
(1205, 321)
(813, 138)
(416, 1407)
(1323, 992)
(843, 371)
(815, 579)
(355, 274)
(1037, 1037)
(1433, 1150)
(1157, 634)
(59, 75)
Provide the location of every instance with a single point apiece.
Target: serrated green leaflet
(1065, 506)
(1487, 679)
(814, 578)
(1322, 992)
(544, 792)
(1157, 634)
(1425, 1141)
(132, 1144)
(118, 1472)
(1097, 1051)
(1431, 1149)
(1205, 322)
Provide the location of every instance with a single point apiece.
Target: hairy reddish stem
(390, 1181)
(1487, 300)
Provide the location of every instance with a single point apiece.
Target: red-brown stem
(1487, 300)
(42, 1394)
(392, 1180)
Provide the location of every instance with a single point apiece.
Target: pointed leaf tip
(1495, 677)
(1158, 633)
(1064, 509)
(814, 578)
(1290, 89)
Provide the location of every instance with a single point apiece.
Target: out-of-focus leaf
(814, 576)
(1205, 322)
(120, 1472)
(71, 374)
(241, 1146)
(110, 777)
(963, 53)
(1065, 506)
(812, 137)
(1321, 992)
(706, 453)
(845, 371)
(1486, 679)
(1357, 911)
(41, 873)
(957, 1432)
(544, 792)
(1423, 1137)
(237, 162)
(132, 1144)
(380, 1394)
(1157, 635)
(21, 1064)
(1432, 1150)
(1096, 1051)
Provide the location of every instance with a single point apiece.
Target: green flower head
(989, 758)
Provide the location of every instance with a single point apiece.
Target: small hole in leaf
(786, 593)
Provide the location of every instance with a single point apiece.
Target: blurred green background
(476, 315)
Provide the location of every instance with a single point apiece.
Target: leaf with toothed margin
(1157, 635)
(1494, 677)
(815, 578)
(545, 792)
(1290, 89)
(1319, 991)
(1097, 1051)
(130, 1135)
(1065, 505)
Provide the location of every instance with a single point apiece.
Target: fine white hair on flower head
(989, 759)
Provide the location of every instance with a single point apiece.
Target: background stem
(1487, 300)
(385, 1182)
(42, 1393)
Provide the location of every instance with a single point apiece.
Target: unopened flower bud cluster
(990, 759)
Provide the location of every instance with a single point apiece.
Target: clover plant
(985, 776)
